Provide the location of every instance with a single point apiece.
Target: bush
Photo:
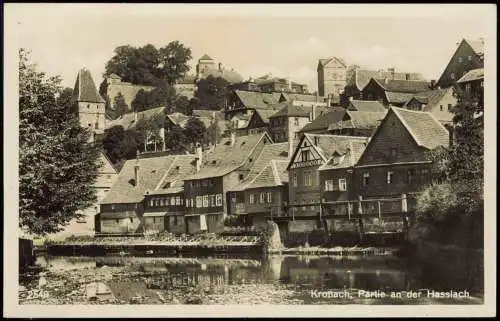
(435, 203)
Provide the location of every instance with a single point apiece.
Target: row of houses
(253, 177)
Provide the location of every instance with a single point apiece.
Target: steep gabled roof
(471, 75)
(476, 45)
(322, 62)
(289, 110)
(173, 180)
(426, 130)
(354, 150)
(403, 86)
(327, 145)
(359, 120)
(257, 100)
(265, 114)
(205, 57)
(85, 89)
(361, 77)
(270, 152)
(323, 121)
(274, 174)
(302, 97)
(398, 98)
(366, 105)
(127, 121)
(208, 113)
(151, 171)
(226, 158)
(430, 97)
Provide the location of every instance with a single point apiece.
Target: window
(366, 179)
(251, 199)
(410, 175)
(304, 155)
(469, 58)
(307, 179)
(328, 185)
(262, 198)
(240, 177)
(205, 200)
(188, 202)
(199, 201)
(218, 200)
(393, 152)
(294, 179)
(441, 107)
(452, 76)
(459, 60)
(204, 183)
(269, 197)
(296, 121)
(390, 177)
(316, 140)
(177, 200)
(342, 184)
(172, 201)
(162, 202)
(482, 84)
(467, 88)
(151, 203)
(88, 106)
(449, 107)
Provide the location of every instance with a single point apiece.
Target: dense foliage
(57, 164)
(211, 93)
(121, 145)
(149, 65)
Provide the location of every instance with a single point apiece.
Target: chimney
(233, 138)
(433, 84)
(162, 135)
(221, 68)
(317, 97)
(136, 169)
(329, 101)
(199, 157)
(289, 82)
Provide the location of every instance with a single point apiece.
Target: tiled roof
(430, 97)
(353, 152)
(323, 62)
(265, 114)
(366, 105)
(289, 110)
(398, 98)
(322, 122)
(360, 120)
(173, 180)
(328, 145)
(477, 46)
(226, 158)
(270, 152)
(178, 119)
(274, 174)
(471, 75)
(257, 100)
(403, 86)
(208, 113)
(85, 89)
(205, 57)
(114, 76)
(302, 97)
(127, 121)
(426, 130)
(361, 77)
(151, 171)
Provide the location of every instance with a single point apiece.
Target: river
(211, 280)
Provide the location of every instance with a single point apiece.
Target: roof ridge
(405, 124)
(166, 174)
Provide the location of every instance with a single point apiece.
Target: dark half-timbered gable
(395, 161)
(393, 92)
(357, 123)
(313, 151)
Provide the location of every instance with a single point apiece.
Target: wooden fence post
(404, 211)
(360, 219)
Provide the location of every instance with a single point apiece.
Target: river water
(276, 279)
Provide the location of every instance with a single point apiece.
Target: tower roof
(206, 57)
(85, 89)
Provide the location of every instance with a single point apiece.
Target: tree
(175, 140)
(148, 65)
(119, 105)
(183, 105)
(57, 164)
(140, 101)
(121, 145)
(195, 131)
(150, 131)
(212, 93)
(173, 62)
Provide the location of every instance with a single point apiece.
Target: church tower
(90, 104)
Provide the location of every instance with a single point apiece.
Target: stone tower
(90, 104)
(204, 66)
(332, 76)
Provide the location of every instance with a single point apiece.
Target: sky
(64, 39)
